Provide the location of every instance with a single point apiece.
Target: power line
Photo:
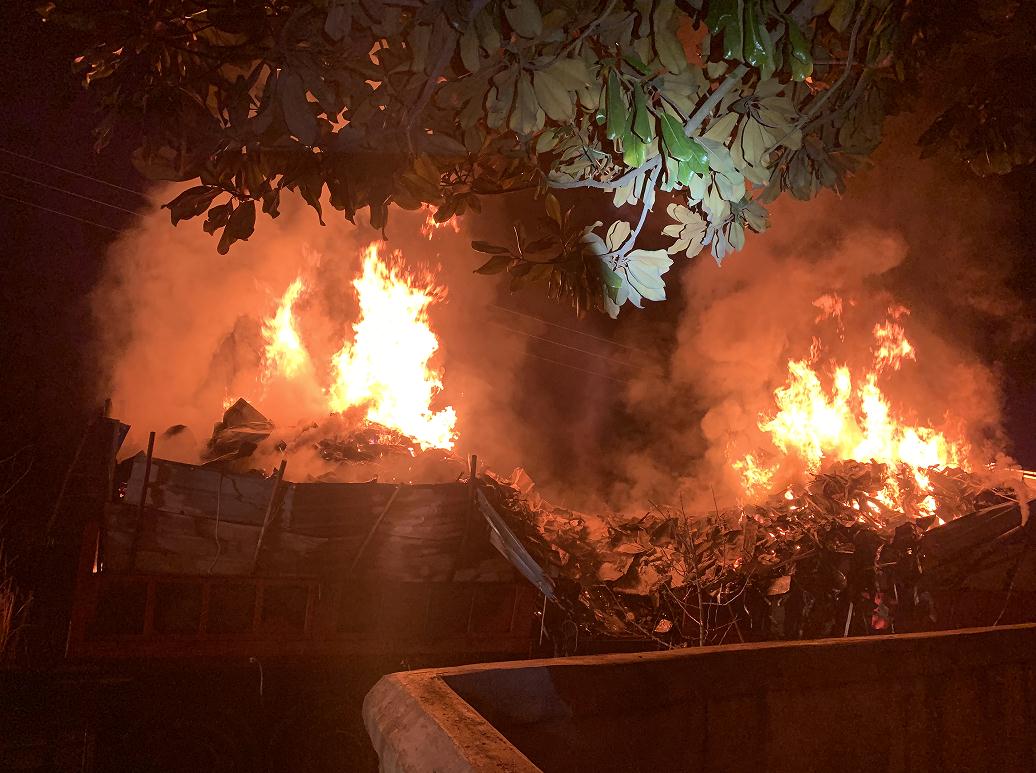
(58, 212)
(73, 172)
(567, 346)
(500, 324)
(581, 370)
(42, 184)
(570, 329)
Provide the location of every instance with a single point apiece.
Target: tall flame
(285, 354)
(851, 418)
(385, 366)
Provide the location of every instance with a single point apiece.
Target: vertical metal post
(143, 500)
(268, 517)
(469, 515)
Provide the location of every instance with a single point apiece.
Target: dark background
(51, 261)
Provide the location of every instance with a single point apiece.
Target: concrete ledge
(953, 701)
(417, 723)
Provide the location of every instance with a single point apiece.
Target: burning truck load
(851, 519)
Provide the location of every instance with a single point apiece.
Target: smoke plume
(179, 333)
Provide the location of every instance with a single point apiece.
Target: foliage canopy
(704, 109)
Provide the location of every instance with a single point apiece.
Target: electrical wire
(581, 370)
(58, 212)
(566, 346)
(569, 329)
(73, 172)
(67, 192)
(499, 324)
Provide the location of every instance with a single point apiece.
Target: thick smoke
(907, 232)
(179, 326)
(179, 333)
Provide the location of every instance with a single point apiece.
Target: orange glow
(755, 475)
(826, 414)
(385, 367)
(285, 354)
(430, 227)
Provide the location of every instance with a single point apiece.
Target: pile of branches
(830, 558)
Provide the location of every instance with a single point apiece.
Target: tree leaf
(442, 146)
(495, 265)
(526, 116)
(573, 74)
(634, 152)
(555, 100)
(500, 99)
(616, 108)
(800, 58)
(524, 17)
(550, 203)
(643, 119)
(676, 143)
(217, 217)
(272, 202)
(339, 19)
(841, 14)
(192, 202)
(239, 227)
(667, 44)
(298, 114)
(469, 50)
(612, 281)
(725, 16)
(491, 249)
(758, 45)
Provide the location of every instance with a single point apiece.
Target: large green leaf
(617, 109)
(643, 119)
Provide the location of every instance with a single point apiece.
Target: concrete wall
(951, 701)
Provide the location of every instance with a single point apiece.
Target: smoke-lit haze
(907, 232)
(179, 328)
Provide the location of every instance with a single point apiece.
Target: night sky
(50, 261)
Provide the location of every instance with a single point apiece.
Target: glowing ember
(285, 354)
(833, 414)
(385, 366)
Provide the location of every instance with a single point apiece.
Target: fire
(831, 414)
(385, 366)
(430, 226)
(285, 354)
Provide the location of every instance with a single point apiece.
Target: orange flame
(285, 354)
(852, 418)
(430, 226)
(385, 366)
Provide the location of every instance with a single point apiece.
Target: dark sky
(50, 262)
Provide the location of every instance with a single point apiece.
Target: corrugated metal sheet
(199, 520)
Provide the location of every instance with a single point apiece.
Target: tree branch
(654, 164)
(815, 107)
(607, 185)
(703, 112)
(648, 199)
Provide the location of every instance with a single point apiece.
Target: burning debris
(829, 558)
(827, 411)
(834, 547)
